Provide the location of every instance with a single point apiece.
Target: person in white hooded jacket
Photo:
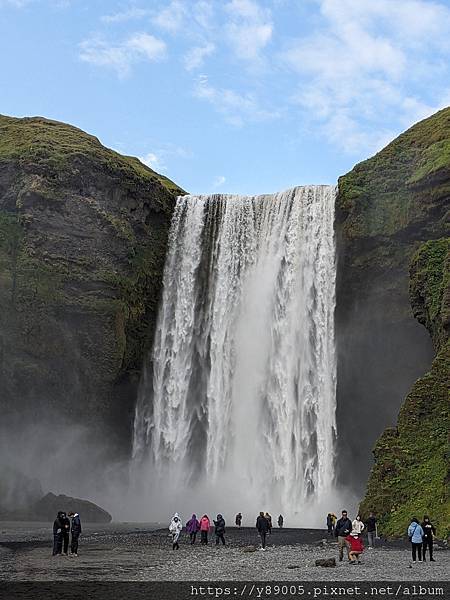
(175, 529)
(357, 525)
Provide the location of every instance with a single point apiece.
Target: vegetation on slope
(411, 472)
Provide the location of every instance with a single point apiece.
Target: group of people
(348, 534)
(421, 536)
(194, 526)
(63, 526)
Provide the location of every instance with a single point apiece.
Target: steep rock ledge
(386, 207)
(411, 474)
(82, 245)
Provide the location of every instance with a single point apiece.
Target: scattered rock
(293, 567)
(322, 542)
(326, 562)
(249, 549)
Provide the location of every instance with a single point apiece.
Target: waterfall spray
(237, 402)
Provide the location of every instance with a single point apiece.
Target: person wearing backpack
(220, 529)
(415, 535)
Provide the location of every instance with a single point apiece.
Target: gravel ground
(129, 552)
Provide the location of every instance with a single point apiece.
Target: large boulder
(47, 508)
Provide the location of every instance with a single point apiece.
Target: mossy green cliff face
(83, 235)
(411, 472)
(386, 208)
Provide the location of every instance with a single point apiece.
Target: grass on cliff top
(378, 191)
(56, 144)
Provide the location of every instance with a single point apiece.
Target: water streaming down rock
(238, 399)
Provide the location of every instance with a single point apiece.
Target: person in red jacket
(205, 524)
(355, 547)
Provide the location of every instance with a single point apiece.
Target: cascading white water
(237, 404)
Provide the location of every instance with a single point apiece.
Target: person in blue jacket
(415, 535)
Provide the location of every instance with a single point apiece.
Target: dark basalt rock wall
(82, 245)
(386, 208)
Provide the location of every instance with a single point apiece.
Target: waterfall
(237, 403)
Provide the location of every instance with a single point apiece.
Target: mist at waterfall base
(236, 410)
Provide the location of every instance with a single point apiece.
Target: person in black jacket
(280, 521)
(76, 531)
(58, 534)
(65, 532)
(263, 526)
(342, 530)
(429, 531)
(220, 529)
(371, 525)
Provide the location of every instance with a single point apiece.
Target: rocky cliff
(82, 245)
(387, 207)
(411, 475)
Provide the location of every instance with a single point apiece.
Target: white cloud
(218, 181)
(153, 161)
(364, 61)
(195, 57)
(237, 108)
(15, 3)
(121, 56)
(171, 18)
(249, 29)
(126, 15)
(203, 13)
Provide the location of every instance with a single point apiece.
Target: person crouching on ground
(76, 531)
(262, 525)
(341, 531)
(192, 526)
(58, 534)
(355, 547)
(429, 531)
(415, 535)
(205, 524)
(220, 529)
(175, 528)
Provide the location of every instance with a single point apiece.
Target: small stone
(326, 562)
(293, 567)
(249, 549)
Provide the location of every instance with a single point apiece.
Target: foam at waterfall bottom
(237, 404)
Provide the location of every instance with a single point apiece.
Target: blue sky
(243, 96)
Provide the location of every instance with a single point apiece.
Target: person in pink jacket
(205, 524)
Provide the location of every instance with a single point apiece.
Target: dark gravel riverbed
(133, 552)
